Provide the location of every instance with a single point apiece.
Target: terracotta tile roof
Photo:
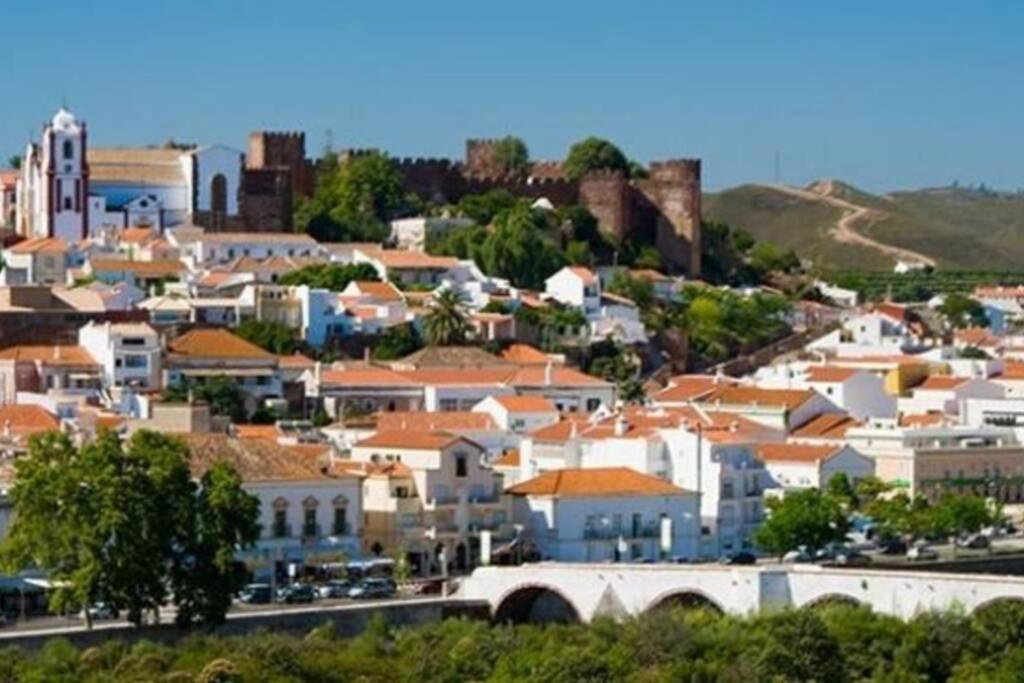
(596, 482)
(686, 388)
(829, 373)
(524, 354)
(40, 245)
(259, 459)
(568, 427)
(533, 376)
(791, 452)
(136, 165)
(8, 179)
(526, 404)
(976, 336)
(26, 420)
(922, 419)
(999, 292)
(785, 398)
(616, 299)
(458, 376)
(584, 274)
(826, 426)
(410, 260)
(650, 275)
(215, 343)
(509, 458)
(457, 357)
(408, 439)
(1012, 369)
(256, 432)
(49, 354)
(897, 313)
(390, 470)
(378, 290)
(418, 421)
(941, 383)
(136, 235)
(364, 377)
(160, 268)
(296, 361)
(296, 238)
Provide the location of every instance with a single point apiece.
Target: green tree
(957, 515)
(593, 154)
(14, 162)
(807, 518)
(221, 393)
(578, 254)
(397, 342)
(840, 489)
(269, 335)
(899, 515)
(354, 201)
(446, 323)
(614, 364)
(640, 292)
(221, 519)
(960, 310)
(511, 154)
(332, 276)
(518, 250)
(483, 208)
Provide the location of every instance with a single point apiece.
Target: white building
(602, 514)
(800, 466)
(944, 394)
(607, 315)
(519, 414)
(71, 191)
(128, 353)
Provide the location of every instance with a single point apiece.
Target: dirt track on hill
(854, 216)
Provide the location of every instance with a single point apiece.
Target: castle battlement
(425, 161)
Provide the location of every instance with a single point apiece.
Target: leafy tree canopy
(397, 342)
(332, 276)
(269, 335)
(808, 518)
(593, 154)
(511, 154)
(960, 311)
(447, 322)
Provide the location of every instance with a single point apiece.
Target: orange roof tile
(791, 452)
(829, 373)
(826, 426)
(165, 268)
(48, 354)
(596, 482)
(26, 420)
(378, 290)
(295, 361)
(1012, 369)
(650, 275)
(941, 383)
(534, 376)
(364, 377)
(1000, 292)
(509, 458)
(686, 388)
(407, 439)
(922, 419)
(39, 245)
(418, 421)
(256, 432)
(396, 258)
(524, 354)
(136, 235)
(215, 343)
(259, 459)
(526, 404)
(584, 274)
(786, 398)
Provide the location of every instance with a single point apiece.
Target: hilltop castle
(664, 208)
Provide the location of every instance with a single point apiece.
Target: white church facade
(71, 191)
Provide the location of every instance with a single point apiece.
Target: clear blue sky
(884, 94)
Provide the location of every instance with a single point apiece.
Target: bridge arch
(687, 598)
(833, 600)
(535, 603)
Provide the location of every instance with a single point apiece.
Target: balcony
(310, 533)
(490, 498)
(281, 531)
(341, 529)
(445, 500)
(611, 533)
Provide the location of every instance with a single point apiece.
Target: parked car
(852, 559)
(920, 553)
(893, 546)
(974, 541)
(335, 589)
(740, 557)
(256, 594)
(296, 593)
(798, 556)
(373, 588)
(100, 611)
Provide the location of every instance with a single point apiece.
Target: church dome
(64, 120)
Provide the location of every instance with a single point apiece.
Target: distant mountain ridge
(838, 225)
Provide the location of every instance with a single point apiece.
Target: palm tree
(446, 323)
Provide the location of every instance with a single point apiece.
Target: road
(56, 625)
(845, 229)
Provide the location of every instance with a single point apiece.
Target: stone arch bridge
(581, 592)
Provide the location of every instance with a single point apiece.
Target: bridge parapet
(586, 591)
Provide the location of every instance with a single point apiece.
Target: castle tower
(62, 207)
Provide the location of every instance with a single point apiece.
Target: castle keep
(664, 208)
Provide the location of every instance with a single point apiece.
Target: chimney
(734, 426)
(7, 429)
(548, 371)
(316, 372)
(366, 355)
(620, 425)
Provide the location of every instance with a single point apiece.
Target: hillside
(840, 226)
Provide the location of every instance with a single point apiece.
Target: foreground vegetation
(834, 643)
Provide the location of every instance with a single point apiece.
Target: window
(401, 492)
(68, 204)
(449, 405)
(136, 361)
(727, 490)
(309, 525)
(340, 526)
(461, 469)
(219, 194)
(133, 341)
(593, 404)
(281, 523)
(69, 149)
